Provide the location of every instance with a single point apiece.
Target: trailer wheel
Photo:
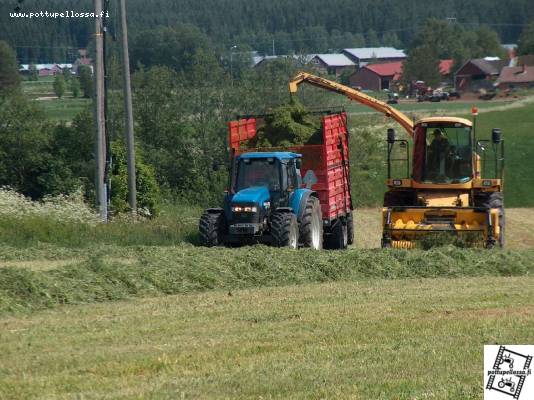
(285, 229)
(350, 228)
(338, 239)
(211, 229)
(311, 225)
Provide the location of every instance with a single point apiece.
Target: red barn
(377, 76)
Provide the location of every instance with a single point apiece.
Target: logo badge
(507, 373)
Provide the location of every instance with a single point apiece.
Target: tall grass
(68, 221)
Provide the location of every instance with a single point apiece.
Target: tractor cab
(264, 179)
(261, 174)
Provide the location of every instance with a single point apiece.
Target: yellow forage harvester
(454, 186)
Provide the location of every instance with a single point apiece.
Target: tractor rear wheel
(285, 229)
(311, 225)
(211, 229)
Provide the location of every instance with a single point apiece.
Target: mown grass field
(380, 339)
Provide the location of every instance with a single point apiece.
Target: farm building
(333, 64)
(365, 55)
(516, 77)
(298, 59)
(445, 68)
(45, 69)
(382, 76)
(376, 76)
(479, 73)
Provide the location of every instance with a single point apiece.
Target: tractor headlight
(251, 209)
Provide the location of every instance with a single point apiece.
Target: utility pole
(274, 52)
(100, 117)
(232, 63)
(129, 123)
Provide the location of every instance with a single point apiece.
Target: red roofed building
(381, 76)
(377, 76)
(515, 77)
(445, 67)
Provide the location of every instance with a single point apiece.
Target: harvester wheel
(211, 229)
(285, 229)
(496, 200)
(350, 228)
(311, 225)
(338, 239)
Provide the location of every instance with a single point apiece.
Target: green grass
(376, 340)
(176, 224)
(64, 109)
(517, 125)
(446, 107)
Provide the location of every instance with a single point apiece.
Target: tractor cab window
(292, 179)
(448, 153)
(258, 172)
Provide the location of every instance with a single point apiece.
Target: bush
(148, 195)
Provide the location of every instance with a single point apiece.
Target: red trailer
(325, 169)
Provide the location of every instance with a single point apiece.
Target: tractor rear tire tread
(312, 208)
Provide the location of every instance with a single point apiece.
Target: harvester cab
(454, 186)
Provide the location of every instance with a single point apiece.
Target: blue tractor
(265, 204)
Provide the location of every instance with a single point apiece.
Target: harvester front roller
(404, 227)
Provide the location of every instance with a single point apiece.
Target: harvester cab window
(448, 157)
(258, 172)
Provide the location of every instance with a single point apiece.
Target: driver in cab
(439, 154)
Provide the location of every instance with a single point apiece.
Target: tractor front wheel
(285, 229)
(311, 225)
(211, 229)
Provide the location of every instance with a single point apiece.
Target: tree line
(291, 25)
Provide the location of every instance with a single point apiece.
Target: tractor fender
(298, 200)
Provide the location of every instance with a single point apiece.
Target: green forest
(280, 26)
